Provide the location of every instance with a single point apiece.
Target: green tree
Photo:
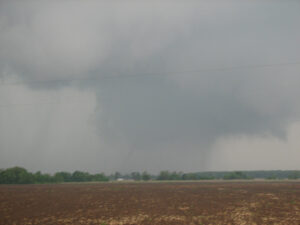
(117, 175)
(79, 176)
(146, 176)
(189, 176)
(294, 175)
(136, 176)
(176, 176)
(43, 178)
(16, 175)
(100, 177)
(58, 178)
(66, 176)
(235, 175)
(164, 175)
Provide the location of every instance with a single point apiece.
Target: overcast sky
(136, 85)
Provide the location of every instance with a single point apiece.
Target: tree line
(19, 175)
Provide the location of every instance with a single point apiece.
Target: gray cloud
(148, 114)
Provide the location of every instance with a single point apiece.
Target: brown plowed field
(152, 203)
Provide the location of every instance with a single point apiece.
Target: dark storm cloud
(132, 56)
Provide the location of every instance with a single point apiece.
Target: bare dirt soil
(152, 203)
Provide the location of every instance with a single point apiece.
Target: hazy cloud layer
(114, 86)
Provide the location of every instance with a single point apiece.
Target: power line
(39, 103)
(53, 102)
(29, 104)
(80, 79)
(136, 75)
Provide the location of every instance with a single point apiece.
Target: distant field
(152, 203)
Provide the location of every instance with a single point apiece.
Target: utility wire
(79, 79)
(243, 67)
(58, 102)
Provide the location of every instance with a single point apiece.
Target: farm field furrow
(151, 203)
